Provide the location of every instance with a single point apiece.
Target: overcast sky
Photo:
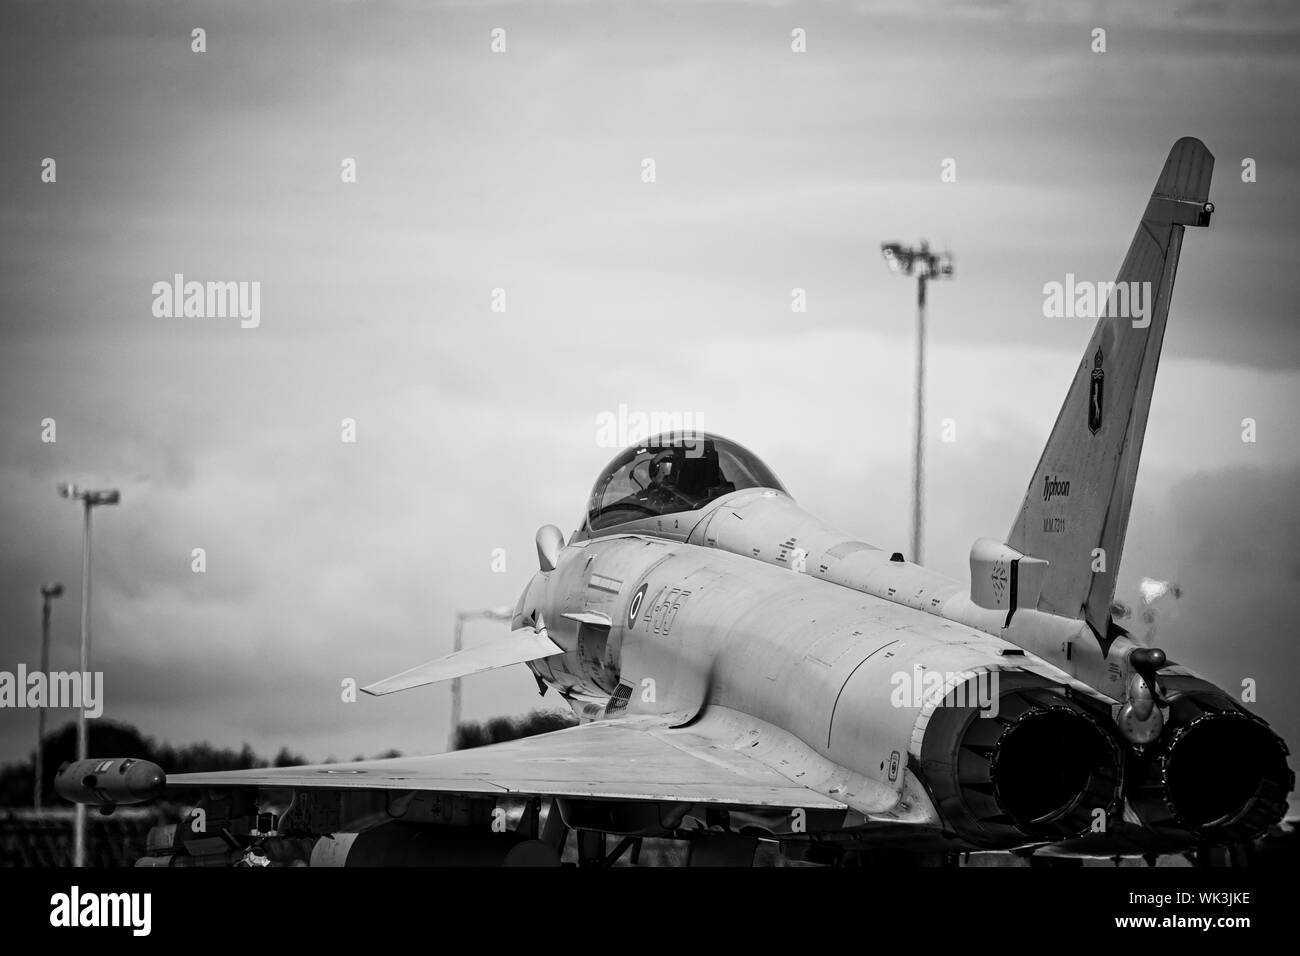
(522, 171)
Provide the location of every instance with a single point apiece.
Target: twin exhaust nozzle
(1054, 768)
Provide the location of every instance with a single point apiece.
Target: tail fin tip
(1187, 172)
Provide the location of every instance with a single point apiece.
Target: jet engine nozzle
(1041, 768)
(1217, 771)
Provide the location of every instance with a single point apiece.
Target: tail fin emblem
(1095, 393)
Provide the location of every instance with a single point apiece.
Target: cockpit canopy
(671, 473)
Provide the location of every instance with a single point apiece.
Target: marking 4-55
(661, 614)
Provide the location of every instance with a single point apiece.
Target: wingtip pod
(1187, 172)
(107, 783)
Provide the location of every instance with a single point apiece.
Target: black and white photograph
(755, 434)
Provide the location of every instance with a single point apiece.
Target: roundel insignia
(634, 607)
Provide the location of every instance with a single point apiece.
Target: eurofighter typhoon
(744, 674)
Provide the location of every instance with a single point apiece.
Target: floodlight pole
(79, 838)
(925, 265)
(88, 500)
(456, 644)
(918, 464)
(491, 614)
(48, 593)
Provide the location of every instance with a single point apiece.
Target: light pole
(925, 265)
(491, 614)
(89, 499)
(48, 593)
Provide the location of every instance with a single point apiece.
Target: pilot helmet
(661, 468)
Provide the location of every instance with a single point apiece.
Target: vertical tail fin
(1076, 511)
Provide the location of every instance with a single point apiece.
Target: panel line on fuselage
(831, 723)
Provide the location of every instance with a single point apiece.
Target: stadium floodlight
(918, 261)
(89, 498)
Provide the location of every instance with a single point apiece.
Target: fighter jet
(747, 677)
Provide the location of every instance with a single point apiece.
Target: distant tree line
(500, 729)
